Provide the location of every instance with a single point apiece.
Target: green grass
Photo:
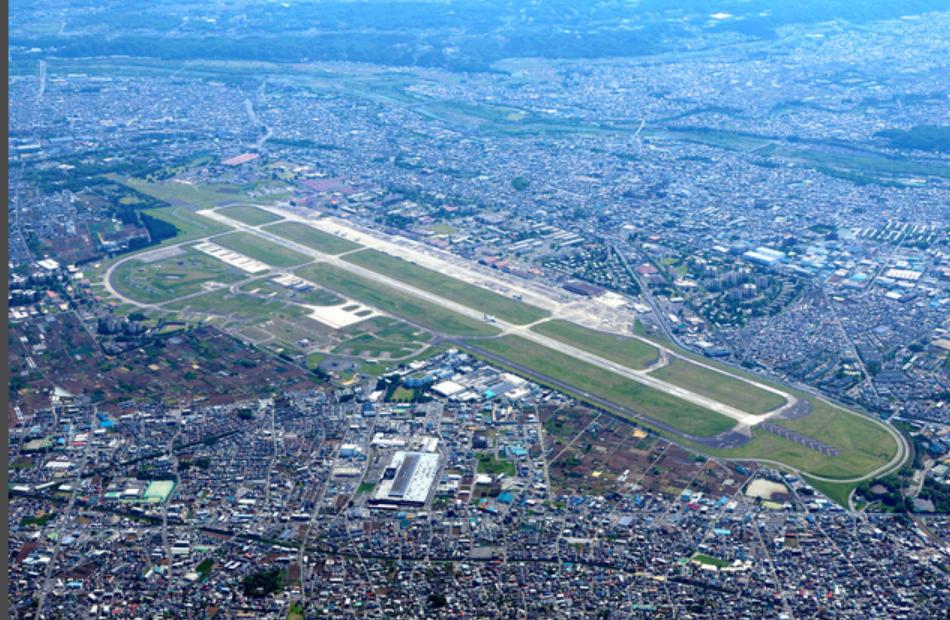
(382, 336)
(488, 464)
(838, 492)
(201, 196)
(585, 377)
(376, 369)
(190, 225)
(402, 395)
(389, 329)
(630, 352)
(239, 307)
(365, 488)
(719, 386)
(476, 297)
(204, 569)
(170, 278)
(864, 445)
(252, 216)
(313, 297)
(315, 359)
(312, 238)
(702, 558)
(394, 301)
(260, 249)
(37, 521)
(367, 345)
(295, 612)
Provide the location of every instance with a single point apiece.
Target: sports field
(312, 238)
(630, 352)
(481, 299)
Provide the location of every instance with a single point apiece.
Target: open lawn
(585, 377)
(476, 297)
(488, 464)
(382, 337)
(367, 345)
(394, 301)
(312, 238)
(172, 277)
(261, 249)
(240, 307)
(376, 369)
(266, 287)
(190, 225)
(252, 216)
(719, 386)
(630, 352)
(864, 444)
(180, 193)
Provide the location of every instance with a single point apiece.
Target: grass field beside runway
(475, 297)
(719, 386)
(266, 287)
(585, 377)
(250, 215)
(629, 352)
(260, 249)
(312, 238)
(381, 336)
(240, 307)
(172, 277)
(396, 302)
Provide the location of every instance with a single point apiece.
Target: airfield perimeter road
(732, 438)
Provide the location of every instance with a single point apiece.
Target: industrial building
(407, 480)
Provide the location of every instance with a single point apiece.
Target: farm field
(472, 296)
(722, 387)
(312, 238)
(394, 301)
(630, 352)
(260, 249)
